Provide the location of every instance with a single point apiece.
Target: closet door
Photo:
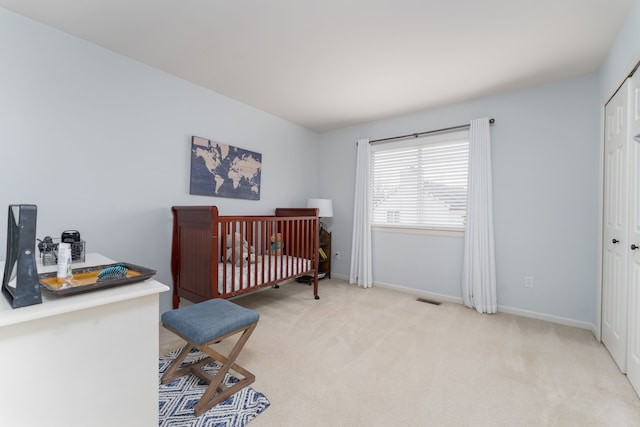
(616, 246)
(633, 329)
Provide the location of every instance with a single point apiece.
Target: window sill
(417, 230)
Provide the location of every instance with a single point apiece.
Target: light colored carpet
(375, 357)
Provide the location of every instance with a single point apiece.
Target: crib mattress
(233, 278)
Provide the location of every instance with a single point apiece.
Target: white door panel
(615, 252)
(633, 328)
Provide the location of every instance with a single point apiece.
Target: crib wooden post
(215, 251)
(316, 255)
(175, 259)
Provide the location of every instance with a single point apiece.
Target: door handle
(634, 247)
(614, 241)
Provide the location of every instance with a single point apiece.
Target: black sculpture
(20, 283)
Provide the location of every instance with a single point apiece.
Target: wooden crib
(215, 256)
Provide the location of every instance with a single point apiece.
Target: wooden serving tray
(85, 279)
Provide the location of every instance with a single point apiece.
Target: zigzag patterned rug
(178, 398)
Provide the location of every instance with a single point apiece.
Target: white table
(81, 360)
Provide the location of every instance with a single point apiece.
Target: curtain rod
(416, 135)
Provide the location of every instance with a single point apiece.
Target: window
(421, 183)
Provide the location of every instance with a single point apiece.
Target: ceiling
(328, 64)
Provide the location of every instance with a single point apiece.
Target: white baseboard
(501, 308)
(419, 293)
(548, 317)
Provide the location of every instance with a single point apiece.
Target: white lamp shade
(325, 207)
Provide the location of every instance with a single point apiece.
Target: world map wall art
(222, 170)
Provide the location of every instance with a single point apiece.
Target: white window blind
(421, 183)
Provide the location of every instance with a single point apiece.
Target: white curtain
(478, 269)
(361, 240)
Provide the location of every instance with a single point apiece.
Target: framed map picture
(223, 170)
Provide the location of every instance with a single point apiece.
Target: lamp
(325, 210)
(325, 207)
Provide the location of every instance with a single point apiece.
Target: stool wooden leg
(216, 391)
(172, 371)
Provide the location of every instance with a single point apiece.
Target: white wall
(114, 135)
(101, 144)
(545, 164)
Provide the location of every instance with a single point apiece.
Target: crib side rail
(270, 249)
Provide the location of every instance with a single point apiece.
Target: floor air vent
(429, 301)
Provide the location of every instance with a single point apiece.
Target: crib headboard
(193, 250)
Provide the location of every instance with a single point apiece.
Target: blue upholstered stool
(203, 325)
